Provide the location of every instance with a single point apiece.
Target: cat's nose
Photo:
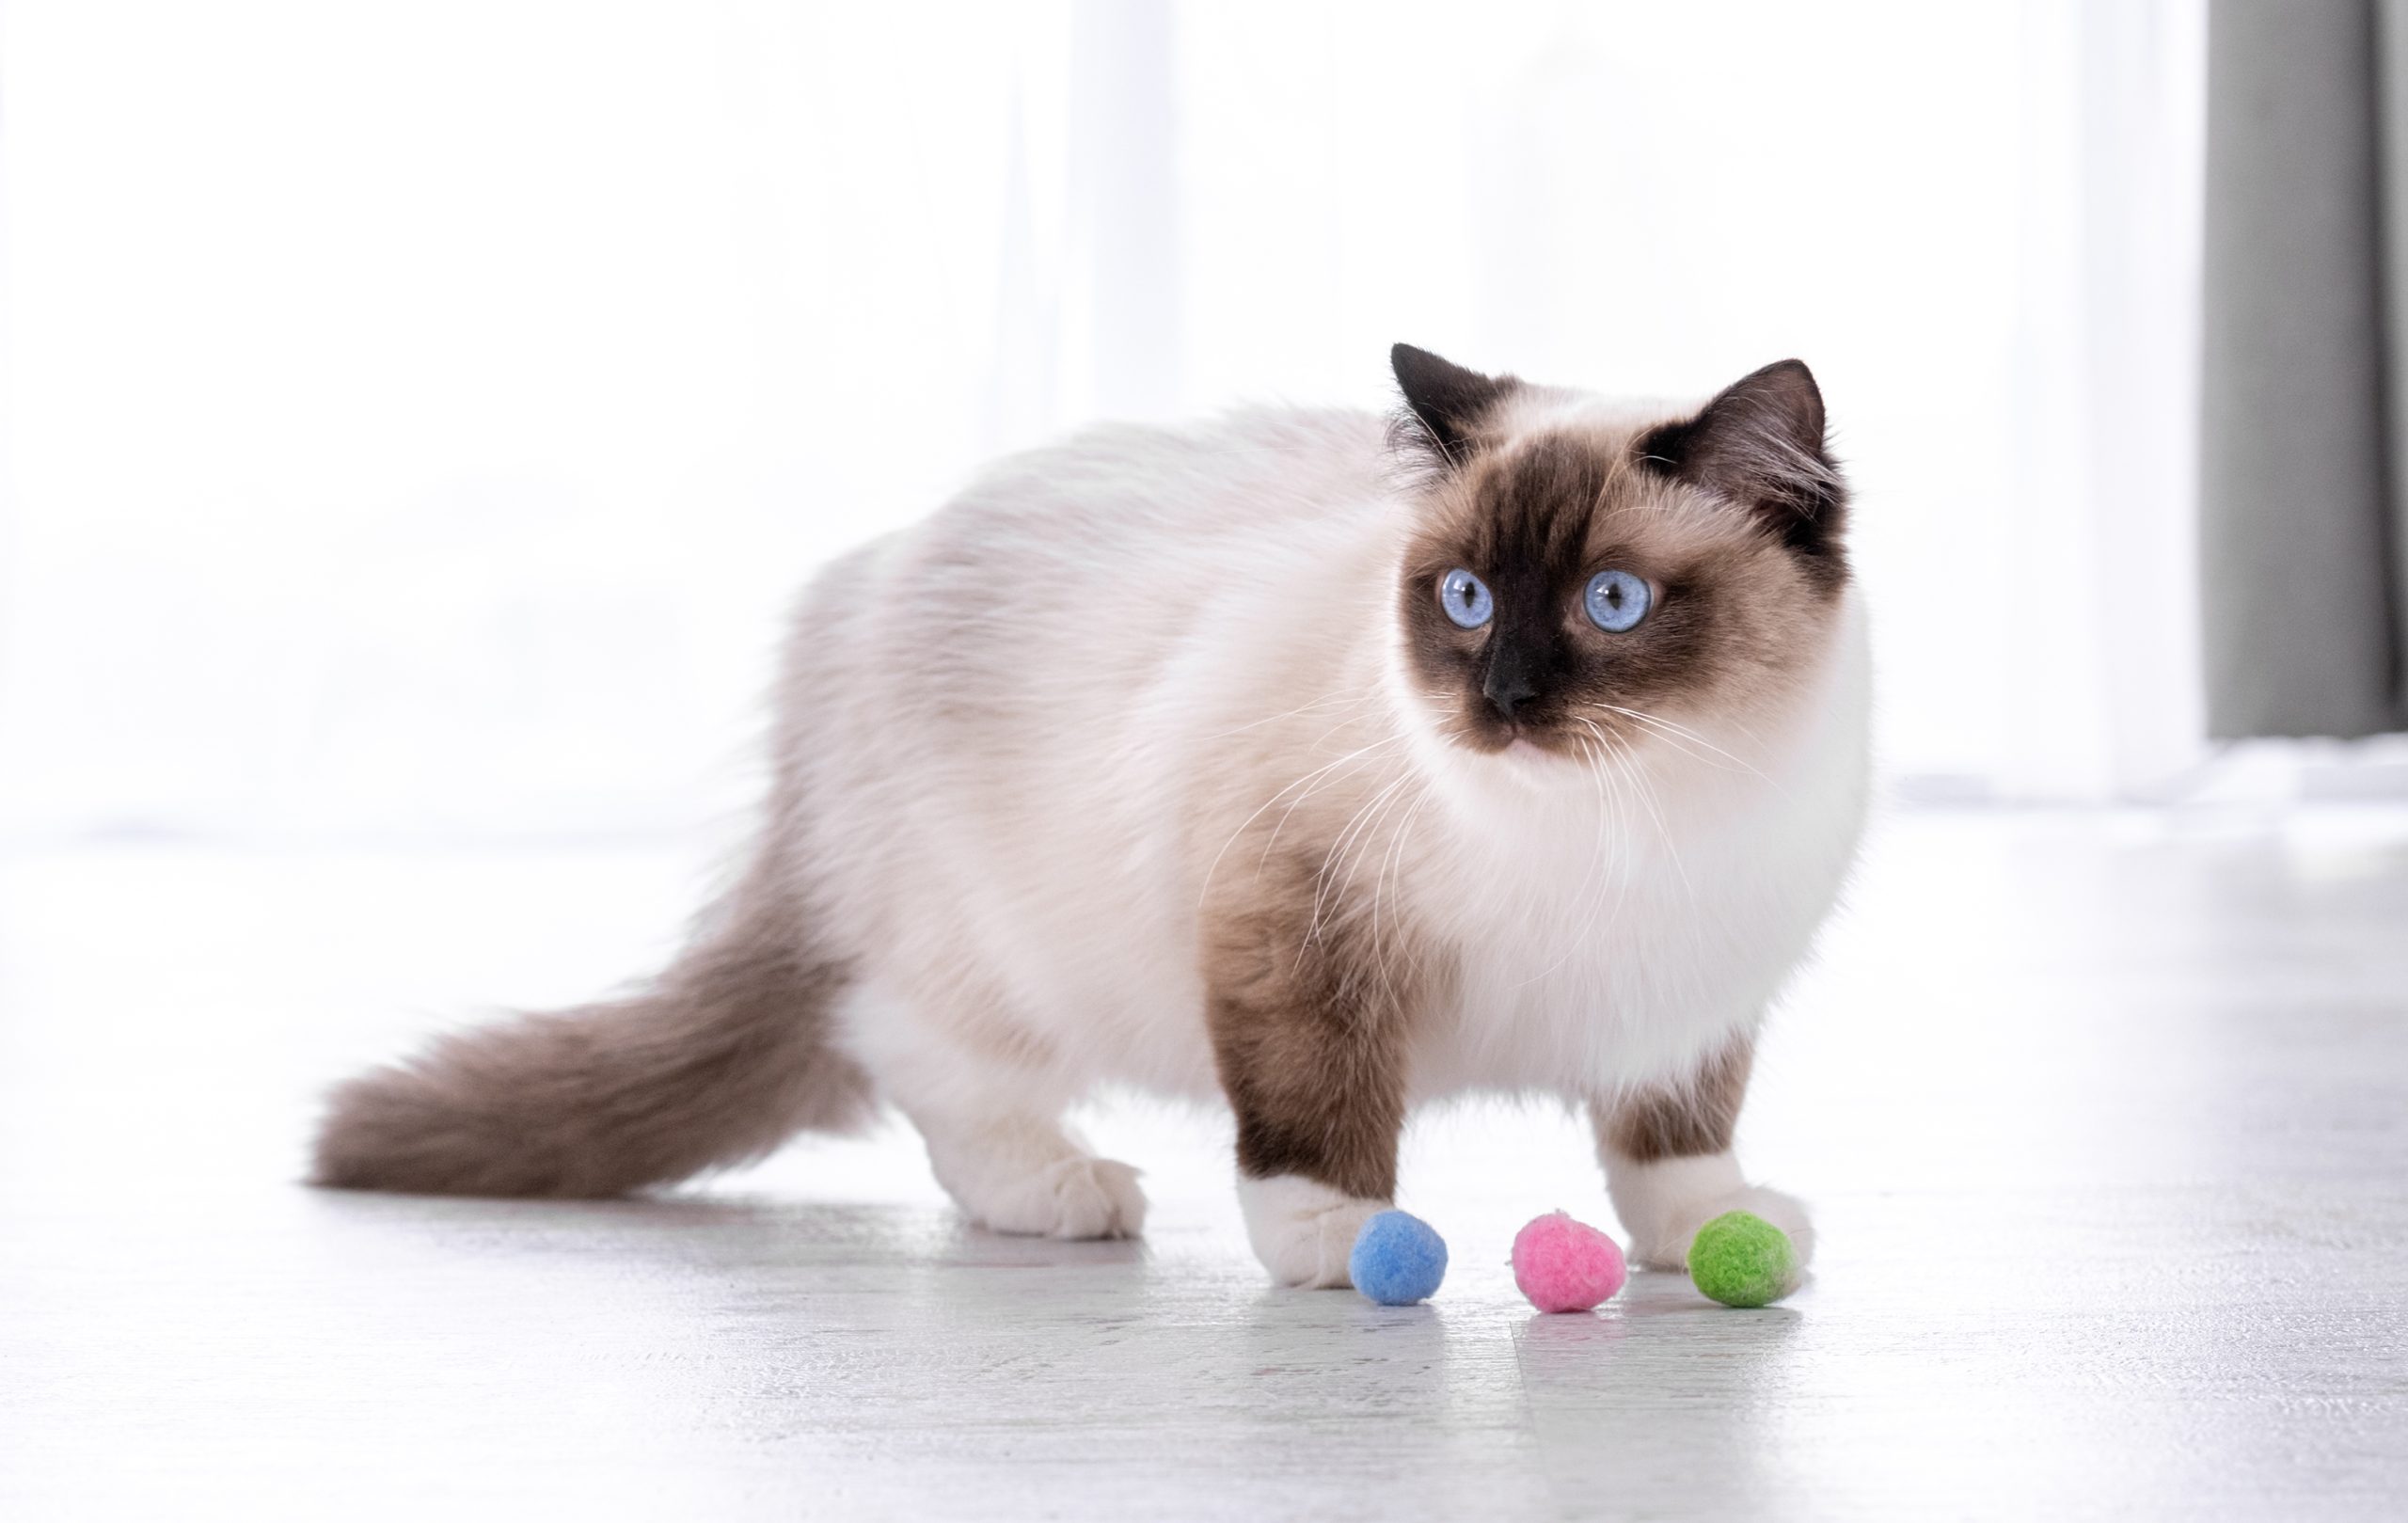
(1509, 682)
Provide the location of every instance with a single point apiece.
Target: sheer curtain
(419, 416)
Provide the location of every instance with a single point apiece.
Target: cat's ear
(1760, 443)
(1447, 401)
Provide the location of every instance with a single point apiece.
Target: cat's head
(1578, 576)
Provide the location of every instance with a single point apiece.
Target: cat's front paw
(1662, 1205)
(1302, 1230)
(1669, 1247)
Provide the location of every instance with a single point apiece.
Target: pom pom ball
(1399, 1259)
(1742, 1260)
(1565, 1265)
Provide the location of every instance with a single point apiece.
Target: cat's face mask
(1584, 582)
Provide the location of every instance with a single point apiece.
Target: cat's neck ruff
(1528, 805)
(1599, 915)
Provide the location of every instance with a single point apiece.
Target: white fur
(1662, 1205)
(1302, 1230)
(1698, 878)
(1025, 730)
(1027, 1175)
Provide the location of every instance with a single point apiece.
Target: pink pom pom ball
(1564, 1266)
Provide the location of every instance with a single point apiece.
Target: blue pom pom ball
(1399, 1259)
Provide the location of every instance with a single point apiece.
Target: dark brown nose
(1512, 679)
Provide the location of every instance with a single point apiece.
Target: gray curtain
(2304, 542)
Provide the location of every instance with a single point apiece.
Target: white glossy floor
(2107, 1120)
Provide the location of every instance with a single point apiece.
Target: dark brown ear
(1760, 443)
(1447, 400)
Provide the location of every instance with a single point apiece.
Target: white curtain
(419, 415)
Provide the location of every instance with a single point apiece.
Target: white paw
(1072, 1198)
(1786, 1212)
(1302, 1230)
(1663, 1204)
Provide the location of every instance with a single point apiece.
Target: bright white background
(417, 415)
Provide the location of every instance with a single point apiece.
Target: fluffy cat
(1324, 762)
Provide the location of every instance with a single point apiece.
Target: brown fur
(1683, 1121)
(1761, 444)
(1737, 609)
(1308, 1030)
(1446, 408)
(724, 1057)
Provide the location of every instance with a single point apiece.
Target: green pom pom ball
(1742, 1260)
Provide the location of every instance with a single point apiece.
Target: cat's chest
(1620, 966)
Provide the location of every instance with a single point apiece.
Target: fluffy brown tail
(721, 1058)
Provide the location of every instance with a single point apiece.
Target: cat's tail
(716, 1062)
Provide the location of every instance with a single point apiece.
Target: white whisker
(1204, 888)
(1675, 734)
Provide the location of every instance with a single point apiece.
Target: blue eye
(1466, 599)
(1617, 601)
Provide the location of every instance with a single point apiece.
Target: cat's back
(1041, 622)
(1066, 577)
(1149, 492)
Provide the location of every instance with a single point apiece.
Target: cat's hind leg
(1029, 1174)
(978, 1086)
(1670, 1168)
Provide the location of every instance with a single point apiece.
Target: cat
(1324, 762)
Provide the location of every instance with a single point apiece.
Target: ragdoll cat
(1328, 765)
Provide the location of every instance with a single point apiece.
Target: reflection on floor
(2106, 1118)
